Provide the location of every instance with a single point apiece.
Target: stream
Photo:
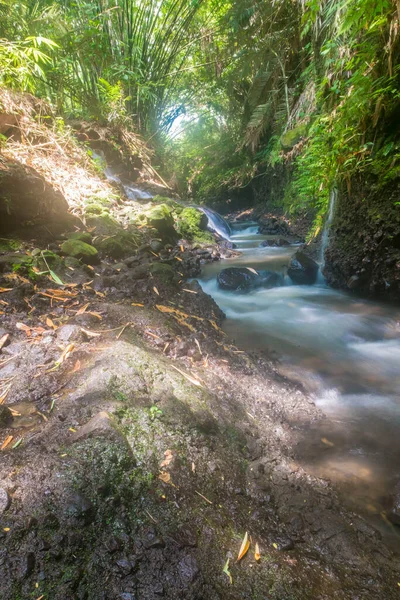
(345, 351)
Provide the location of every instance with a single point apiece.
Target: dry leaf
(257, 554)
(136, 304)
(4, 340)
(7, 441)
(82, 309)
(188, 377)
(190, 291)
(182, 248)
(66, 353)
(177, 258)
(165, 477)
(156, 290)
(226, 570)
(50, 323)
(327, 442)
(252, 270)
(90, 334)
(2, 290)
(168, 458)
(204, 498)
(244, 547)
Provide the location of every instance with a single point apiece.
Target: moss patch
(78, 249)
(192, 224)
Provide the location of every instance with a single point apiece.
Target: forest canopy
(225, 91)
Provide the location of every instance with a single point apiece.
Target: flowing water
(346, 351)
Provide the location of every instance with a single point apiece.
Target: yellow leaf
(136, 304)
(6, 529)
(165, 477)
(226, 571)
(82, 309)
(72, 429)
(50, 323)
(327, 442)
(6, 442)
(257, 554)
(177, 258)
(244, 547)
(275, 546)
(182, 248)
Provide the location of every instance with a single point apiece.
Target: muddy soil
(140, 445)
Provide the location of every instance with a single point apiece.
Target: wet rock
(283, 543)
(273, 226)
(236, 278)
(153, 540)
(278, 242)
(68, 333)
(188, 570)
(127, 596)
(113, 544)
(163, 271)
(241, 279)
(27, 565)
(303, 270)
(78, 249)
(4, 500)
(6, 417)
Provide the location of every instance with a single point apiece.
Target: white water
(216, 223)
(132, 192)
(325, 234)
(345, 350)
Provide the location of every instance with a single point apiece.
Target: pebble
(4, 500)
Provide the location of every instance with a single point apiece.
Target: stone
(156, 245)
(140, 272)
(6, 417)
(80, 507)
(9, 260)
(241, 279)
(125, 566)
(303, 270)
(160, 217)
(100, 424)
(188, 569)
(4, 500)
(192, 225)
(162, 271)
(277, 242)
(78, 249)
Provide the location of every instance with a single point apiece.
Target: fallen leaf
(50, 323)
(244, 547)
(90, 334)
(72, 430)
(6, 529)
(190, 291)
(193, 467)
(2, 290)
(182, 248)
(3, 340)
(4, 392)
(165, 477)
(275, 546)
(204, 498)
(7, 441)
(18, 443)
(188, 377)
(82, 309)
(168, 458)
(257, 554)
(66, 353)
(226, 571)
(327, 442)
(136, 304)
(177, 258)
(156, 290)
(252, 270)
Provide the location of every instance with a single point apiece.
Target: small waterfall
(216, 223)
(132, 192)
(325, 233)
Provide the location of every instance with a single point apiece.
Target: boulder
(242, 278)
(273, 226)
(192, 225)
(163, 271)
(84, 236)
(160, 217)
(303, 270)
(276, 242)
(78, 249)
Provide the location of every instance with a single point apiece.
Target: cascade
(216, 223)
(325, 233)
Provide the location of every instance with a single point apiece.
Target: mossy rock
(104, 224)
(162, 271)
(48, 259)
(9, 245)
(160, 217)
(293, 136)
(118, 246)
(84, 236)
(95, 209)
(78, 249)
(13, 260)
(192, 224)
(72, 262)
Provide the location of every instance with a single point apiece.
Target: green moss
(192, 224)
(84, 236)
(293, 136)
(160, 217)
(9, 245)
(163, 271)
(104, 224)
(79, 249)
